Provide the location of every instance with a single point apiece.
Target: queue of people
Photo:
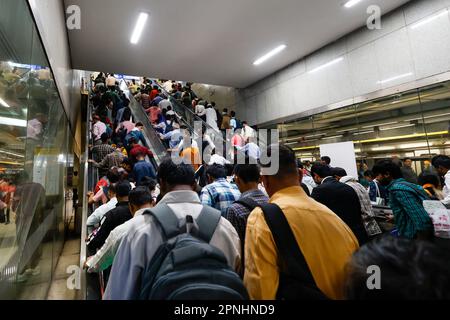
(305, 232)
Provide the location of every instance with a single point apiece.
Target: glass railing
(152, 138)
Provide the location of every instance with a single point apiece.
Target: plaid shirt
(406, 201)
(238, 214)
(220, 195)
(101, 151)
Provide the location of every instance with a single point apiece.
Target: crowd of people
(308, 231)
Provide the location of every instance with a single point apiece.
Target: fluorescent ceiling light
(380, 124)
(345, 130)
(428, 20)
(396, 78)
(326, 65)
(397, 127)
(351, 3)
(333, 137)
(140, 24)
(413, 145)
(13, 122)
(3, 103)
(12, 154)
(363, 132)
(383, 148)
(270, 54)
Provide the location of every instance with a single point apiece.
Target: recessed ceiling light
(270, 54)
(351, 3)
(13, 122)
(140, 24)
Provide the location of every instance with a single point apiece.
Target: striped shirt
(101, 151)
(406, 201)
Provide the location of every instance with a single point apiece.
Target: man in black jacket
(114, 218)
(339, 198)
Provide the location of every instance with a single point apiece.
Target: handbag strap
(294, 262)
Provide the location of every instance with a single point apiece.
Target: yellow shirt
(325, 240)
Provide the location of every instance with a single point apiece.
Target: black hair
(387, 167)
(139, 124)
(248, 172)
(140, 196)
(104, 137)
(113, 175)
(300, 164)
(410, 270)
(443, 161)
(225, 110)
(339, 172)
(148, 182)
(428, 178)
(123, 188)
(406, 159)
(176, 174)
(286, 159)
(326, 159)
(113, 188)
(321, 170)
(233, 114)
(216, 171)
(369, 173)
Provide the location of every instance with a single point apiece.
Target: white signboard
(342, 156)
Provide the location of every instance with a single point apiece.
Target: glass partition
(413, 124)
(34, 153)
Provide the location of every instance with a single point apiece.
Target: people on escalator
(200, 111)
(136, 149)
(111, 82)
(98, 129)
(137, 135)
(186, 98)
(154, 111)
(154, 92)
(211, 118)
(144, 99)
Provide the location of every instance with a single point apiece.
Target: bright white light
(428, 20)
(363, 132)
(140, 24)
(3, 103)
(13, 122)
(383, 148)
(333, 137)
(396, 78)
(398, 127)
(413, 145)
(326, 65)
(352, 3)
(270, 54)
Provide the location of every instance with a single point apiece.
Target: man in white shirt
(95, 218)
(144, 237)
(442, 165)
(164, 104)
(140, 199)
(98, 129)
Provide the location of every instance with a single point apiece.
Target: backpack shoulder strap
(287, 246)
(207, 223)
(248, 202)
(167, 219)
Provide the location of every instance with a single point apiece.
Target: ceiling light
(397, 127)
(346, 130)
(352, 3)
(326, 65)
(363, 132)
(383, 148)
(395, 78)
(140, 24)
(380, 124)
(333, 137)
(270, 54)
(13, 122)
(3, 103)
(428, 20)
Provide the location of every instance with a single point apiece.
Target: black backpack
(186, 266)
(296, 281)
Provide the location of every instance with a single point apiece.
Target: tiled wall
(369, 58)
